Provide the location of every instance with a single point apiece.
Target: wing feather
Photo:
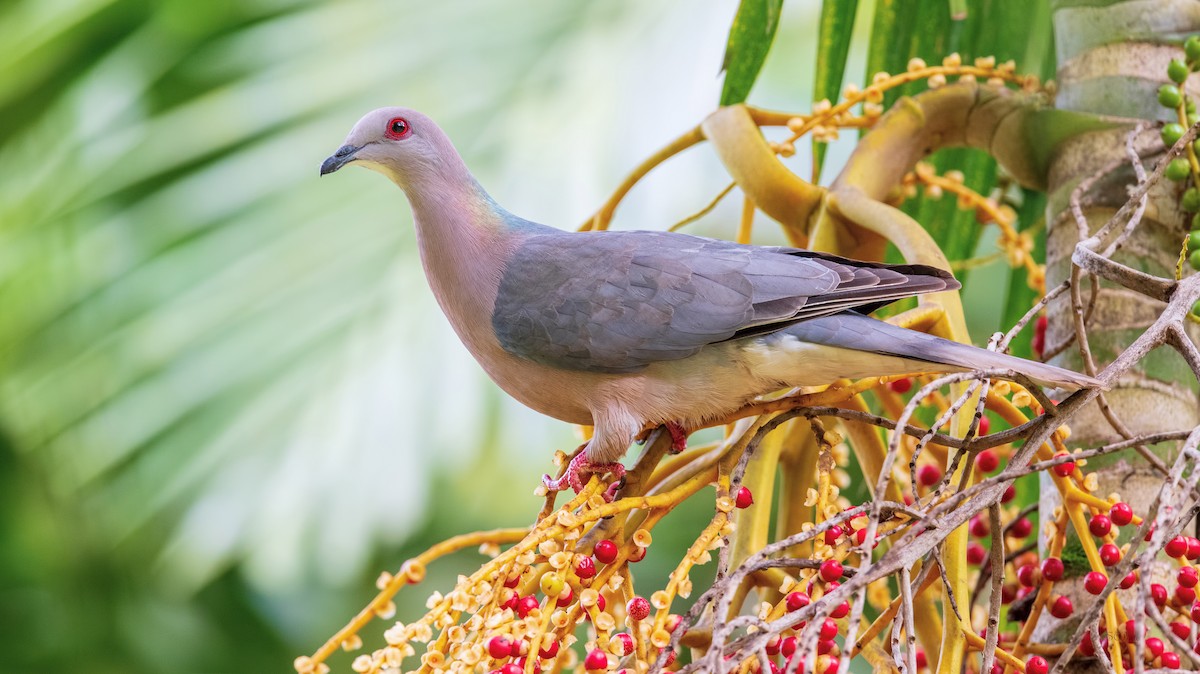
(618, 301)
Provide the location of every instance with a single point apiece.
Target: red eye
(398, 128)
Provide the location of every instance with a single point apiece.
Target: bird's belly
(561, 394)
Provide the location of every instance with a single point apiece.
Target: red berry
(979, 527)
(512, 600)
(825, 646)
(987, 461)
(1061, 608)
(1159, 594)
(1129, 579)
(1195, 612)
(626, 640)
(832, 667)
(1100, 525)
(1187, 576)
(550, 651)
(830, 570)
(1085, 646)
(829, 629)
(637, 554)
(1121, 513)
(526, 604)
(596, 660)
(773, 646)
(1176, 547)
(511, 668)
(832, 534)
(1169, 660)
(1028, 575)
(1094, 582)
(1063, 469)
(565, 598)
(1008, 592)
(1021, 528)
(840, 611)
(1155, 646)
(499, 647)
(903, 385)
(922, 659)
(1052, 569)
(985, 425)
(788, 647)
(513, 581)
(1130, 630)
(1110, 554)
(1009, 494)
(976, 553)
(1037, 665)
(743, 498)
(1193, 551)
(796, 601)
(600, 602)
(637, 608)
(929, 475)
(1181, 630)
(605, 551)
(1185, 595)
(585, 568)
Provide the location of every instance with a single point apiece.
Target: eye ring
(398, 128)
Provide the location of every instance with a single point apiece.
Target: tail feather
(862, 333)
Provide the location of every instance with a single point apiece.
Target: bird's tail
(865, 334)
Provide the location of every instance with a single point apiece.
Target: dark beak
(343, 156)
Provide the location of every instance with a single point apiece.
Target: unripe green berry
(1178, 71)
(1196, 308)
(1191, 47)
(1193, 241)
(1191, 117)
(1191, 200)
(1194, 260)
(1169, 96)
(1171, 133)
(1196, 221)
(1178, 169)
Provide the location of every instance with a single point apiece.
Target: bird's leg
(581, 467)
(679, 436)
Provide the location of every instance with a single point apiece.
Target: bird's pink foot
(679, 436)
(579, 468)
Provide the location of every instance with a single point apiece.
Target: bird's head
(398, 142)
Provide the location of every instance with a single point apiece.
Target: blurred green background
(228, 400)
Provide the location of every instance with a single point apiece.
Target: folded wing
(617, 301)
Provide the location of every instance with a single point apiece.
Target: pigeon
(629, 330)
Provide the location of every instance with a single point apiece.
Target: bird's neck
(464, 239)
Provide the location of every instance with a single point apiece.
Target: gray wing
(617, 301)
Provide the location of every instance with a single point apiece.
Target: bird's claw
(679, 436)
(579, 467)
